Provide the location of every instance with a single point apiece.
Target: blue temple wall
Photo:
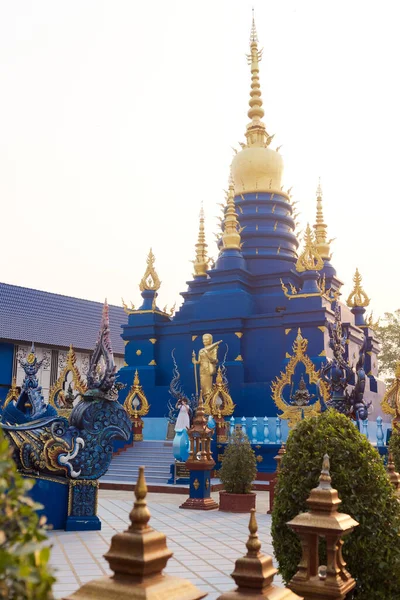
(240, 302)
(6, 367)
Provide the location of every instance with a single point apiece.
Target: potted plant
(237, 473)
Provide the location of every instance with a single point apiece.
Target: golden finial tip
(253, 526)
(319, 188)
(141, 487)
(253, 33)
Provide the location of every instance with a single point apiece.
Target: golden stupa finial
(150, 280)
(140, 514)
(231, 235)
(256, 134)
(253, 33)
(309, 259)
(136, 378)
(253, 544)
(357, 297)
(321, 242)
(201, 261)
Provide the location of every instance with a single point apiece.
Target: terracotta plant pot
(238, 503)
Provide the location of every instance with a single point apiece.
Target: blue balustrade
(278, 431)
(244, 427)
(379, 432)
(266, 431)
(254, 432)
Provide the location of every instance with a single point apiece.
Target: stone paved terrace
(205, 543)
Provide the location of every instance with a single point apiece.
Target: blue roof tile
(35, 316)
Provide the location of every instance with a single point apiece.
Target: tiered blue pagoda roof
(55, 320)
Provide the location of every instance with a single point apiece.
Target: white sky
(117, 119)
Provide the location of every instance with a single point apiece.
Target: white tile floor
(205, 543)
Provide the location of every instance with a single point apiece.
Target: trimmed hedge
(372, 550)
(239, 465)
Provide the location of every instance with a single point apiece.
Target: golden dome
(257, 168)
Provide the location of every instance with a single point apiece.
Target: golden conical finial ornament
(257, 168)
(357, 297)
(256, 131)
(321, 242)
(254, 573)
(231, 236)
(201, 261)
(309, 259)
(150, 280)
(138, 557)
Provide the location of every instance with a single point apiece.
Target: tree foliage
(388, 333)
(372, 550)
(239, 465)
(394, 448)
(24, 574)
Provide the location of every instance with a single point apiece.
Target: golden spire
(201, 260)
(357, 297)
(321, 242)
(309, 259)
(150, 280)
(231, 236)
(256, 133)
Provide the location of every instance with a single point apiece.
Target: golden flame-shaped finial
(150, 279)
(325, 477)
(309, 259)
(253, 544)
(140, 514)
(201, 261)
(321, 242)
(231, 236)
(357, 297)
(253, 33)
(256, 134)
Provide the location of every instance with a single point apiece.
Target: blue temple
(261, 290)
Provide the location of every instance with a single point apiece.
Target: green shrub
(239, 466)
(372, 550)
(23, 559)
(394, 448)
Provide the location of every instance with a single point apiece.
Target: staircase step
(124, 479)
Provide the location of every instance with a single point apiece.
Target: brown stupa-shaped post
(138, 556)
(312, 580)
(394, 477)
(254, 573)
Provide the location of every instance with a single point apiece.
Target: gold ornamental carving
(357, 297)
(13, 393)
(136, 404)
(150, 280)
(290, 412)
(219, 402)
(196, 484)
(63, 399)
(329, 294)
(309, 259)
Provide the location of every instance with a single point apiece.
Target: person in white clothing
(183, 420)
